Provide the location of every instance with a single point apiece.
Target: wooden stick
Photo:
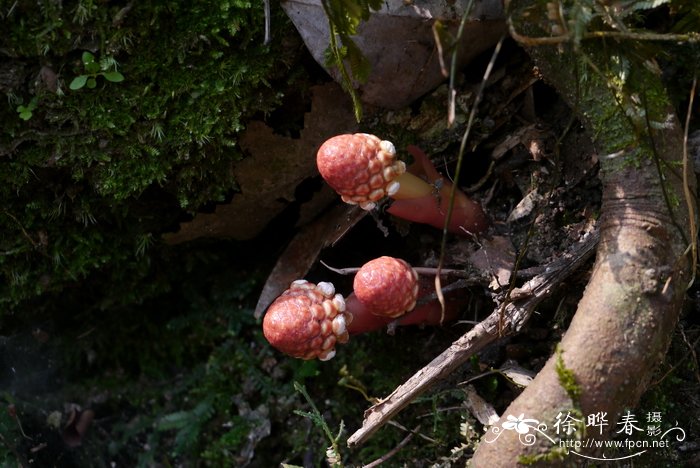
(393, 451)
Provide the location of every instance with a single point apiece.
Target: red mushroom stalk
(308, 320)
(364, 169)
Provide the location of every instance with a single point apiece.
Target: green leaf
(581, 15)
(359, 65)
(307, 369)
(353, 10)
(113, 76)
(92, 67)
(88, 58)
(78, 82)
(91, 82)
(25, 115)
(175, 420)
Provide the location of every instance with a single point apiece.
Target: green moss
(567, 379)
(555, 454)
(95, 170)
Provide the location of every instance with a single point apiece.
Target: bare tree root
(505, 320)
(626, 317)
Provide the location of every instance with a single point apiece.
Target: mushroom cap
(387, 286)
(360, 167)
(307, 320)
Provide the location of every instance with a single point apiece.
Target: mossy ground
(94, 175)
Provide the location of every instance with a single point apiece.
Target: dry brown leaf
(303, 250)
(530, 136)
(526, 206)
(77, 425)
(275, 166)
(496, 258)
(479, 408)
(517, 374)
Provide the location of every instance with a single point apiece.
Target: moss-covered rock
(91, 175)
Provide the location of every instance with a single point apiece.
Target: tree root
(625, 320)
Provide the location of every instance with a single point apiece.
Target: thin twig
(24, 231)
(691, 350)
(677, 364)
(393, 451)
(460, 159)
(419, 434)
(419, 270)
(13, 411)
(452, 96)
(458, 284)
(689, 198)
(620, 35)
(267, 22)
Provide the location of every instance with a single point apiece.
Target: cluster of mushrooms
(308, 320)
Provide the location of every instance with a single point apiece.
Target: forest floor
(230, 398)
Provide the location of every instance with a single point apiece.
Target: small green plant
(93, 70)
(343, 20)
(188, 424)
(333, 457)
(25, 112)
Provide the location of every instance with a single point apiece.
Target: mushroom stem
(307, 320)
(431, 207)
(467, 217)
(429, 314)
(412, 186)
(364, 169)
(363, 321)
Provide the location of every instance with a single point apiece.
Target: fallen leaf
(496, 258)
(77, 426)
(260, 427)
(525, 207)
(269, 176)
(479, 408)
(303, 250)
(517, 374)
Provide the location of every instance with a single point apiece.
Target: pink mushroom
(386, 286)
(308, 320)
(364, 169)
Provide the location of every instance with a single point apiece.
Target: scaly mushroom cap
(307, 321)
(387, 286)
(360, 167)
